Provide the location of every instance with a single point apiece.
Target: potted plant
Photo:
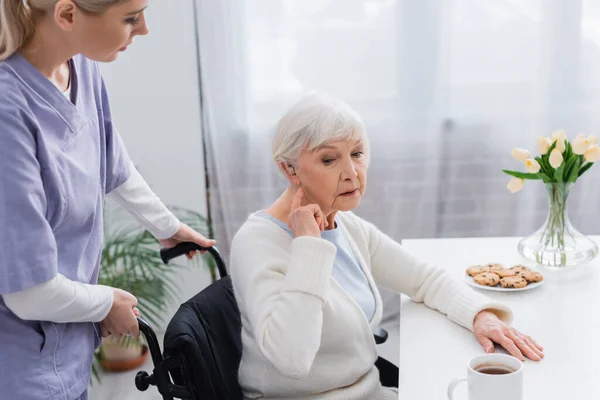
(131, 261)
(561, 163)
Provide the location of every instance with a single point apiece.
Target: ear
(290, 172)
(64, 14)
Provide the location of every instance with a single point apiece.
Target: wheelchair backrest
(206, 333)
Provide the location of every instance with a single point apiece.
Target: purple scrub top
(59, 157)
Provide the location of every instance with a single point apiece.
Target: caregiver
(60, 155)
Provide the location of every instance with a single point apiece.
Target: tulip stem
(553, 237)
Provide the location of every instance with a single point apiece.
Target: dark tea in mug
(494, 369)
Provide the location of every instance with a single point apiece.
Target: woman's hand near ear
(306, 220)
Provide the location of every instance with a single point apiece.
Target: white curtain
(446, 87)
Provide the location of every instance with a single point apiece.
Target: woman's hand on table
(490, 329)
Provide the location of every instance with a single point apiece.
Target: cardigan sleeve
(394, 267)
(281, 294)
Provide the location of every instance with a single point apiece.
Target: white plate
(470, 281)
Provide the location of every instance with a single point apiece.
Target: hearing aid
(291, 170)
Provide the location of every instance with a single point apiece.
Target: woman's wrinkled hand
(306, 220)
(490, 329)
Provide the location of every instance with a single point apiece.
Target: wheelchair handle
(148, 332)
(185, 247)
(380, 335)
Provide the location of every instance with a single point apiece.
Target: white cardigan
(303, 337)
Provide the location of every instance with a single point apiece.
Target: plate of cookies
(496, 277)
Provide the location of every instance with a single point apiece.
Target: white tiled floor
(121, 386)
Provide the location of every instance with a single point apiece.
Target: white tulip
(556, 158)
(580, 145)
(580, 136)
(544, 144)
(560, 145)
(532, 166)
(593, 139)
(515, 185)
(520, 154)
(559, 137)
(592, 154)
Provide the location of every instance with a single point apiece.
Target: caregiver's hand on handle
(488, 328)
(306, 220)
(187, 234)
(121, 320)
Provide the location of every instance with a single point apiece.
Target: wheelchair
(202, 343)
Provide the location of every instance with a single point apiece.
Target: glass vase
(557, 244)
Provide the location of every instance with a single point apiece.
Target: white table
(563, 315)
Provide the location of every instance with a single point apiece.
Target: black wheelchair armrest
(380, 335)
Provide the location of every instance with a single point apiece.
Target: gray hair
(312, 122)
(17, 19)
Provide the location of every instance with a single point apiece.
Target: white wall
(154, 93)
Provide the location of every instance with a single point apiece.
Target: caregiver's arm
(61, 300)
(140, 201)
(398, 270)
(280, 294)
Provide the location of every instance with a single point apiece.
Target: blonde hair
(314, 121)
(18, 19)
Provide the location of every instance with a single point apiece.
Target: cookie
(520, 268)
(506, 272)
(477, 269)
(499, 270)
(495, 267)
(531, 276)
(487, 279)
(513, 282)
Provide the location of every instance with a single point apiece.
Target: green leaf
(568, 167)
(150, 317)
(545, 178)
(585, 168)
(550, 168)
(522, 175)
(546, 167)
(571, 175)
(550, 171)
(558, 174)
(151, 309)
(568, 150)
(552, 147)
(96, 368)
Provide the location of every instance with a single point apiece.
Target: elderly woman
(305, 271)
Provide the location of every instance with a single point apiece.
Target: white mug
(488, 386)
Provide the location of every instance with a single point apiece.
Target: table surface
(562, 315)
